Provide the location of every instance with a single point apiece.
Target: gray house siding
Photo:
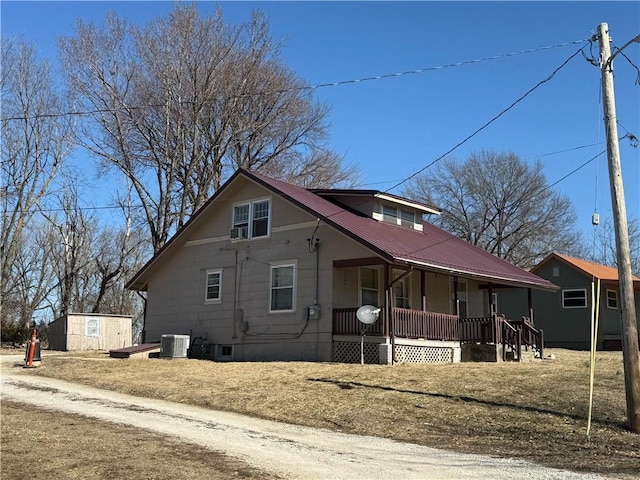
(566, 327)
(176, 292)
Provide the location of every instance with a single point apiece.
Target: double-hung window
(369, 286)
(252, 219)
(283, 287)
(574, 298)
(214, 286)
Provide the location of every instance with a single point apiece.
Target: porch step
(525, 356)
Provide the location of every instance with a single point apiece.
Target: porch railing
(345, 322)
(481, 330)
(408, 323)
(428, 325)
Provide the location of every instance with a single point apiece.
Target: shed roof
(432, 249)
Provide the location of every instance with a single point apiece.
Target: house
(89, 331)
(565, 315)
(266, 270)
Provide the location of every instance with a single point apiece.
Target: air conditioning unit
(174, 346)
(239, 232)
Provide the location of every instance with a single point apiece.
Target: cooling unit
(174, 346)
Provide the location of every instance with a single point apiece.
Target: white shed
(90, 331)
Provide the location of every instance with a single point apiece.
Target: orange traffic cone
(31, 349)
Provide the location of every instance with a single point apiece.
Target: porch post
(456, 302)
(423, 289)
(530, 305)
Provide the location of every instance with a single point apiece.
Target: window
(389, 214)
(92, 327)
(369, 286)
(283, 288)
(260, 225)
(612, 299)
(576, 298)
(251, 220)
(214, 286)
(407, 217)
(461, 307)
(401, 288)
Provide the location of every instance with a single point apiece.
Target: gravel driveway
(293, 452)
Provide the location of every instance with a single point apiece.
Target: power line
(489, 122)
(300, 88)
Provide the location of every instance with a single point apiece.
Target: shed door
(112, 335)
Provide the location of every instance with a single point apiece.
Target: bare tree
(183, 102)
(603, 247)
(33, 146)
(500, 203)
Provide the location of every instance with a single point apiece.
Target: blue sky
(393, 127)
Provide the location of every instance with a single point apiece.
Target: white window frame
(249, 223)
(361, 287)
(218, 299)
(612, 300)
(91, 327)
(294, 288)
(584, 296)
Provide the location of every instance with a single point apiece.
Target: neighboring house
(266, 270)
(89, 331)
(565, 315)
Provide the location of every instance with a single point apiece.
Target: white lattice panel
(349, 352)
(417, 354)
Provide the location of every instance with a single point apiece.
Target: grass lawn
(535, 411)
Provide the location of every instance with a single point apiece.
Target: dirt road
(293, 452)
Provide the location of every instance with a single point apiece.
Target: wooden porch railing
(408, 323)
(346, 323)
(428, 325)
(481, 330)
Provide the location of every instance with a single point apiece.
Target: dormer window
(398, 216)
(389, 214)
(407, 217)
(251, 220)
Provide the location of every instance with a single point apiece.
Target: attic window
(251, 220)
(399, 216)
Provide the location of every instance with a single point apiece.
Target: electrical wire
(469, 137)
(299, 88)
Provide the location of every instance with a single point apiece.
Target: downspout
(143, 334)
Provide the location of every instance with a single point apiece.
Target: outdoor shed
(90, 331)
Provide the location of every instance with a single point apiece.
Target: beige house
(90, 331)
(266, 270)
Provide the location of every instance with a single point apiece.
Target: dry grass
(535, 411)
(42, 444)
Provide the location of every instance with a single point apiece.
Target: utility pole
(631, 355)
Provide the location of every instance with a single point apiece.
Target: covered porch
(403, 335)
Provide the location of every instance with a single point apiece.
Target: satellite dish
(367, 314)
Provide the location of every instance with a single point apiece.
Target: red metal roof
(433, 247)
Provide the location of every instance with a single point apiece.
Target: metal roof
(431, 249)
(591, 269)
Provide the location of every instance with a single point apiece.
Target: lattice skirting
(349, 352)
(417, 354)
